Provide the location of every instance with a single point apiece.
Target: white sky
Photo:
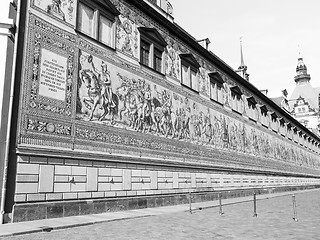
(271, 31)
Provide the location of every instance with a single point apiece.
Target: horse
(167, 121)
(180, 124)
(132, 105)
(95, 98)
(147, 115)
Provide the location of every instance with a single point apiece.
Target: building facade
(304, 101)
(117, 107)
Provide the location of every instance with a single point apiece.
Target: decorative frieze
(48, 127)
(43, 25)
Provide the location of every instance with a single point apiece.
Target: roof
(277, 100)
(310, 94)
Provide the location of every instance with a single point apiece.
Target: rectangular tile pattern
(38, 180)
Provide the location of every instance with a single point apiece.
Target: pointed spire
(242, 69)
(242, 61)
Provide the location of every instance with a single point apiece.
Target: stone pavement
(274, 221)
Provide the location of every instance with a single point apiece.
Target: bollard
(294, 205)
(220, 204)
(255, 205)
(190, 201)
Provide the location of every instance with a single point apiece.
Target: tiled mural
(64, 10)
(108, 95)
(95, 92)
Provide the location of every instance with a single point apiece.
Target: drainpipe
(7, 148)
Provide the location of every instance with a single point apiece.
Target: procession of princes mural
(123, 100)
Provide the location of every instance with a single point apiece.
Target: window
(189, 70)
(282, 127)
(157, 62)
(300, 137)
(236, 100)
(145, 52)
(289, 131)
(216, 87)
(264, 116)
(152, 46)
(252, 109)
(294, 134)
(96, 19)
(274, 122)
(85, 19)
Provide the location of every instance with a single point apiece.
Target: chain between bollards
(255, 205)
(294, 205)
(220, 204)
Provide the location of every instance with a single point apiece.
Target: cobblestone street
(274, 221)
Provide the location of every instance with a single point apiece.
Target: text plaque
(53, 75)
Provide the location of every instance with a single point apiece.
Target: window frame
(156, 45)
(236, 99)
(191, 64)
(216, 85)
(252, 108)
(264, 119)
(274, 121)
(101, 9)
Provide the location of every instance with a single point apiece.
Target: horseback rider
(148, 105)
(106, 89)
(105, 80)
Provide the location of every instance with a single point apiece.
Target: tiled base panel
(52, 187)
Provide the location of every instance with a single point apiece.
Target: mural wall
(64, 10)
(111, 96)
(75, 90)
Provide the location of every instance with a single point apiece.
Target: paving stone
(274, 221)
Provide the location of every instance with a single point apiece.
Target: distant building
(283, 101)
(304, 101)
(303, 104)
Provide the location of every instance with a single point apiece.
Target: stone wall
(41, 179)
(52, 187)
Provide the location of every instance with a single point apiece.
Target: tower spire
(242, 69)
(301, 70)
(242, 61)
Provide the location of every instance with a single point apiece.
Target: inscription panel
(52, 82)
